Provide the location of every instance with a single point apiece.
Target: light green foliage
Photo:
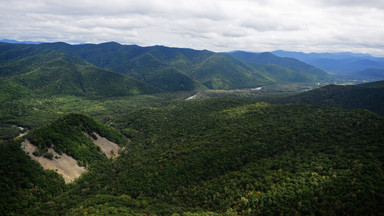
(223, 156)
(68, 135)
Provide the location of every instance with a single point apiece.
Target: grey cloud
(379, 4)
(218, 25)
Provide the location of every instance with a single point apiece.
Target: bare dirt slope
(110, 149)
(62, 164)
(65, 164)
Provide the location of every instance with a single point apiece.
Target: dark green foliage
(48, 73)
(242, 157)
(283, 74)
(297, 71)
(172, 79)
(213, 70)
(225, 72)
(67, 135)
(171, 69)
(229, 156)
(8, 131)
(221, 156)
(365, 96)
(23, 182)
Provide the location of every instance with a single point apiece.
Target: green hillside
(24, 183)
(203, 68)
(298, 70)
(67, 135)
(364, 96)
(150, 69)
(45, 72)
(219, 156)
(152, 65)
(213, 70)
(216, 72)
(282, 74)
(16, 59)
(229, 157)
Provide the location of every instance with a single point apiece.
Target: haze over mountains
(344, 65)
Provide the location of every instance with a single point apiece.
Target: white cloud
(218, 25)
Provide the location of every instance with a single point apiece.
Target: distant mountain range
(30, 70)
(283, 68)
(344, 65)
(123, 58)
(112, 69)
(171, 69)
(20, 42)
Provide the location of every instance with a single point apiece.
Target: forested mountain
(211, 70)
(170, 69)
(227, 156)
(290, 68)
(364, 96)
(69, 135)
(369, 74)
(48, 72)
(341, 64)
(20, 42)
(218, 157)
(24, 183)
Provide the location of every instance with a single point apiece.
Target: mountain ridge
(344, 65)
(299, 68)
(48, 72)
(125, 59)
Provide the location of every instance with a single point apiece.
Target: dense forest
(363, 96)
(201, 148)
(215, 157)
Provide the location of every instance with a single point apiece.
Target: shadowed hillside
(364, 96)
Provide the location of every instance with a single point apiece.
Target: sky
(216, 25)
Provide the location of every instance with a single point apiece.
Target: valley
(174, 131)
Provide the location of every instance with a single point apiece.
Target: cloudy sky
(217, 25)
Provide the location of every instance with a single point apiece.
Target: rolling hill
(363, 96)
(47, 72)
